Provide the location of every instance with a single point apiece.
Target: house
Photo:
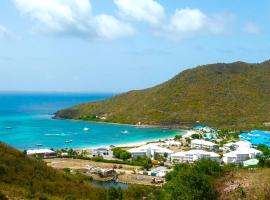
(159, 171)
(202, 144)
(206, 129)
(233, 146)
(149, 150)
(102, 151)
(242, 144)
(193, 155)
(46, 153)
(240, 155)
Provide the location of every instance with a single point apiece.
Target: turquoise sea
(26, 121)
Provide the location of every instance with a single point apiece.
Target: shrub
(121, 154)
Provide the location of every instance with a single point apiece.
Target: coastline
(135, 144)
(165, 127)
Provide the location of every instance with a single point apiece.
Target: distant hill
(222, 95)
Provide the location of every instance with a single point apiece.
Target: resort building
(206, 129)
(150, 150)
(193, 155)
(100, 151)
(233, 146)
(202, 144)
(47, 153)
(240, 155)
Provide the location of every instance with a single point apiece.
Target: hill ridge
(223, 94)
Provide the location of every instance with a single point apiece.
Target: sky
(121, 45)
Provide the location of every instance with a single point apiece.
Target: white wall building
(102, 151)
(233, 146)
(240, 155)
(149, 150)
(41, 152)
(193, 155)
(202, 144)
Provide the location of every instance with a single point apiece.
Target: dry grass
(61, 163)
(251, 184)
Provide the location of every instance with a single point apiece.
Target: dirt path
(61, 163)
(126, 172)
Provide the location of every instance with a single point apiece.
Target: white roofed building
(100, 151)
(149, 150)
(233, 146)
(202, 144)
(242, 144)
(240, 155)
(193, 155)
(41, 152)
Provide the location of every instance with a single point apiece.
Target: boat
(86, 129)
(124, 132)
(8, 127)
(68, 141)
(39, 145)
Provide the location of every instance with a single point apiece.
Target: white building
(102, 151)
(193, 155)
(240, 155)
(233, 146)
(242, 144)
(41, 152)
(149, 150)
(202, 144)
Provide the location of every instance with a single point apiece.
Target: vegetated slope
(25, 178)
(253, 184)
(235, 95)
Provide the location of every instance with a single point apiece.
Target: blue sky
(120, 45)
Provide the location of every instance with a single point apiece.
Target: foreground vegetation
(28, 178)
(253, 184)
(232, 95)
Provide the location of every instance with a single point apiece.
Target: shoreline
(134, 144)
(165, 127)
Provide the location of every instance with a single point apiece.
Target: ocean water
(26, 121)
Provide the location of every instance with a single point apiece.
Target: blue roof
(197, 127)
(257, 137)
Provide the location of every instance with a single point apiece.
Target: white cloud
(141, 10)
(183, 23)
(109, 27)
(188, 22)
(252, 28)
(72, 17)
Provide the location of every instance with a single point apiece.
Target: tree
(177, 137)
(121, 153)
(193, 181)
(195, 136)
(147, 164)
(191, 185)
(263, 148)
(124, 155)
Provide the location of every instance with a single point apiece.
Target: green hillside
(22, 177)
(28, 178)
(222, 95)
